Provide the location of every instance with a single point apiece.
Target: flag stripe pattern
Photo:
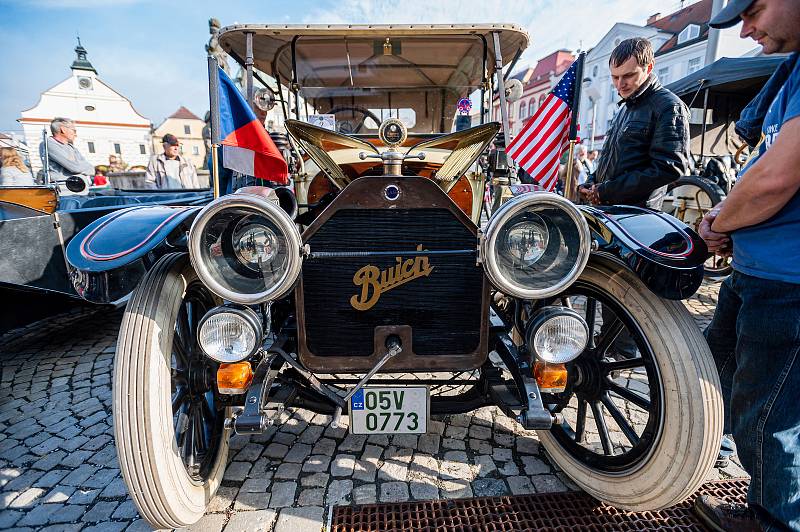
(247, 147)
(538, 147)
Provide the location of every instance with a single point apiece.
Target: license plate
(390, 410)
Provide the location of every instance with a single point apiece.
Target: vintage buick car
(374, 294)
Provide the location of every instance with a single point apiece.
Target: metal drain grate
(557, 512)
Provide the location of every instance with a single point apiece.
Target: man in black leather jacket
(647, 146)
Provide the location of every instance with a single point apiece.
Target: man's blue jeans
(755, 340)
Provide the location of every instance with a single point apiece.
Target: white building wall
(102, 116)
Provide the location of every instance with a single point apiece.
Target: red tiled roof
(184, 113)
(698, 13)
(557, 62)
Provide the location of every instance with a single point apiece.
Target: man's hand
(719, 243)
(590, 194)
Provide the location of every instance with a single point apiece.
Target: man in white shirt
(170, 170)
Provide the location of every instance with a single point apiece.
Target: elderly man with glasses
(65, 159)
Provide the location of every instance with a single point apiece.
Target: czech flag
(246, 145)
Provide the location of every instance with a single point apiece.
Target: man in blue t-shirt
(755, 333)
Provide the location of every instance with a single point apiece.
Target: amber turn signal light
(234, 379)
(551, 378)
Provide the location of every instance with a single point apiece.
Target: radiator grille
(443, 308)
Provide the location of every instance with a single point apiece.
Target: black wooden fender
(665, 253)
(110, 256)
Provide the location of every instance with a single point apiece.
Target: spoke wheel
(642, 413)
(168, 428)
(689, 199)
(198, 422)
(613, 406)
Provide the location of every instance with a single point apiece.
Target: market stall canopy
(443, 55)
(730, 84)
(742, 76)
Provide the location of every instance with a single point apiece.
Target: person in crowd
(580, 166)
(116, 164)
(755, 333)
(13, 172)
(64, 158)
(591, 159)
(170, 170)
(647, 146)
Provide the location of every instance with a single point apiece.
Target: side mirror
(264, 99)
(513, 90)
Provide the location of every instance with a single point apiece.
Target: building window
(117, 149)
(694, 65)
(617, 41)
(187, 130)
(142, 149)
(595, 70)
(663, 75)
(692, 31)
(91, 147)
(541, 99)
(523, 108)
(532, 107)
(195, 150)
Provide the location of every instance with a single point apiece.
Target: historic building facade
(106, 122)
(681, 43)
(188, 128)
(537, 82)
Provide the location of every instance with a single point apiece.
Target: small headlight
(557, 334)
(245, 249)
(535, 245)
(230, 334)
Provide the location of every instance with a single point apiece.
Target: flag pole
(213, 95)
(570, 191)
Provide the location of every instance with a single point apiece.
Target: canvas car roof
(271, 43)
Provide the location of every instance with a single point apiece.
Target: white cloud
(552, 24)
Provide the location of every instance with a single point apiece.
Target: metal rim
(591, 383)
(506, 212)
(197, 418)
(274, 214)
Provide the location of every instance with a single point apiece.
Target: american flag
(538, 147)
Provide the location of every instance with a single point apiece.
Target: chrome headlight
(557, 334)
(229, 334)
(245, 249)
(535, 245)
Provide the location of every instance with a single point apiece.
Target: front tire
(669, 421)
(169, 430)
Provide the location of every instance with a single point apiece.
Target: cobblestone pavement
(59, 470)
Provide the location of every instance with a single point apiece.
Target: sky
(153, 52)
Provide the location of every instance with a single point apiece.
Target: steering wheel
(345, 127)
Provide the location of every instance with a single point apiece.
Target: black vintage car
(380, 300)
(36, 224)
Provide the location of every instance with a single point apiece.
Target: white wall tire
(154, 472)
(686, 445)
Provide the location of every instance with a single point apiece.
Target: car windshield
(363, 80)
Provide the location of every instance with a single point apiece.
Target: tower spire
(81, 62)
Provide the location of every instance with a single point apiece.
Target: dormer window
(692, 31)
